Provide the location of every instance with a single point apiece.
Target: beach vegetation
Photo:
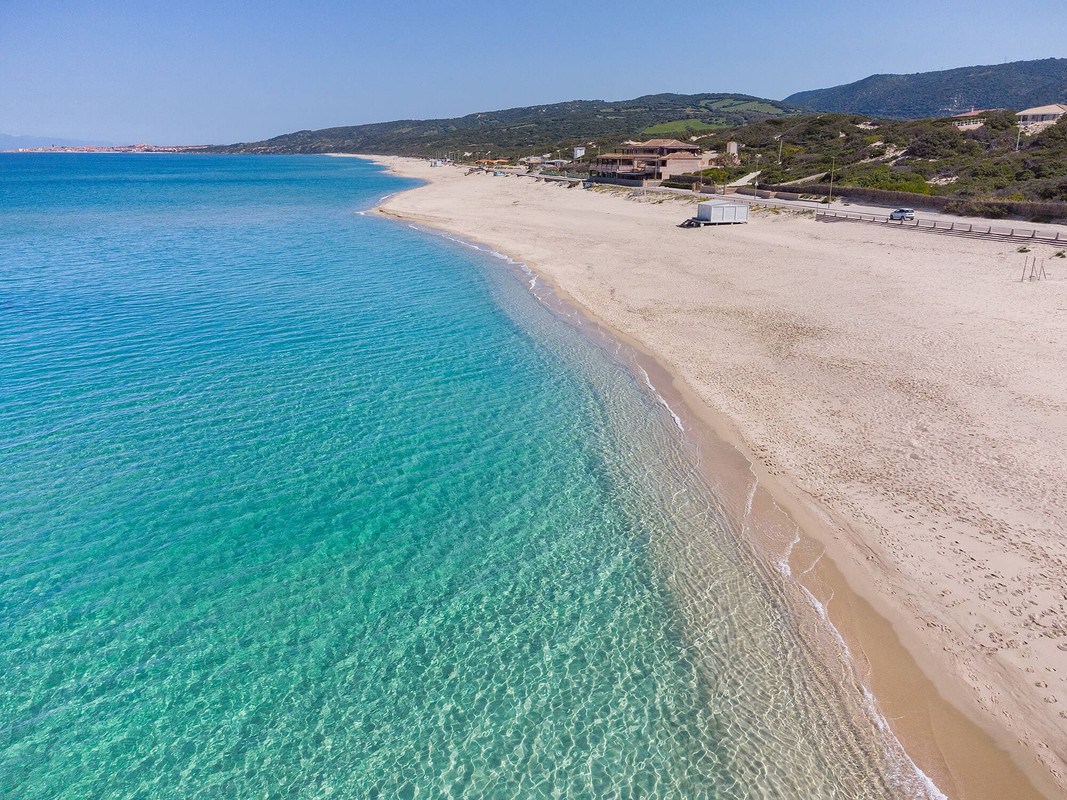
(924, 157)
(887, 178)
(723, 175)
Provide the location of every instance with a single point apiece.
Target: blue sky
(220, 71)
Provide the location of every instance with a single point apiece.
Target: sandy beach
(901, 396)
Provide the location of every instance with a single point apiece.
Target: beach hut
(721, 212)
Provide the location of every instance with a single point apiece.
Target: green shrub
(940, 142)
(1001, 120)
(883, 177)
(1054, 137)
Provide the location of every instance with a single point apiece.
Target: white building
(1048, 114)
(722, 212)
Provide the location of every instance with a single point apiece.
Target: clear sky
(221, 71)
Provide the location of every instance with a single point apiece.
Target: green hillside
(924, 156)
(1020, 84)
(531, 129)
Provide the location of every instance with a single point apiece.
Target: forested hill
(1020, 84)
(532, 128)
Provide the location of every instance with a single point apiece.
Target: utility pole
(833, 164)
(1018, 136)
(780, 140)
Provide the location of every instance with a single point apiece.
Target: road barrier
(969, 229)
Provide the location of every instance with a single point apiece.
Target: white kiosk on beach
(721, 212)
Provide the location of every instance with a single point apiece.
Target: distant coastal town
(122, 148)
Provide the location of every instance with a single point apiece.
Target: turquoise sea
(301, 503)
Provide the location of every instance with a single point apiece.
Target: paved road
(843, 206)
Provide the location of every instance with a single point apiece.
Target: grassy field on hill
(681, 128)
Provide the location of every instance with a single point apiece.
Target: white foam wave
(783, 562)
(661, 400)
(894, 748)
(488, 251)
(751, 499)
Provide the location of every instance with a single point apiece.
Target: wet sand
(902, 400)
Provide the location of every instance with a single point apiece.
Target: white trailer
(721, 212)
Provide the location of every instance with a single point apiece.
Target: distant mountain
(1018, 85)
(531, 128)
(8, 142)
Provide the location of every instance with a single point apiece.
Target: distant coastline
(124, 148)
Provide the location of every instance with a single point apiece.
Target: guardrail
(1004, 234)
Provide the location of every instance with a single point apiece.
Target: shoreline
(698, 433)
(966, 754)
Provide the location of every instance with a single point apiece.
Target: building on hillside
(579, 151)
(654, 160)
(1041, 114)
(975, 118)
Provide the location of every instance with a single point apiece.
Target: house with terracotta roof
(655, 160)
(975, 118)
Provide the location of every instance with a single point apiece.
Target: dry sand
(903, 395)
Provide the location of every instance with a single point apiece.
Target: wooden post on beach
(1033, 270)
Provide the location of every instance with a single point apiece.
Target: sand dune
(903, 390)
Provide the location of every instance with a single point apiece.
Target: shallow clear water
(300, 503)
